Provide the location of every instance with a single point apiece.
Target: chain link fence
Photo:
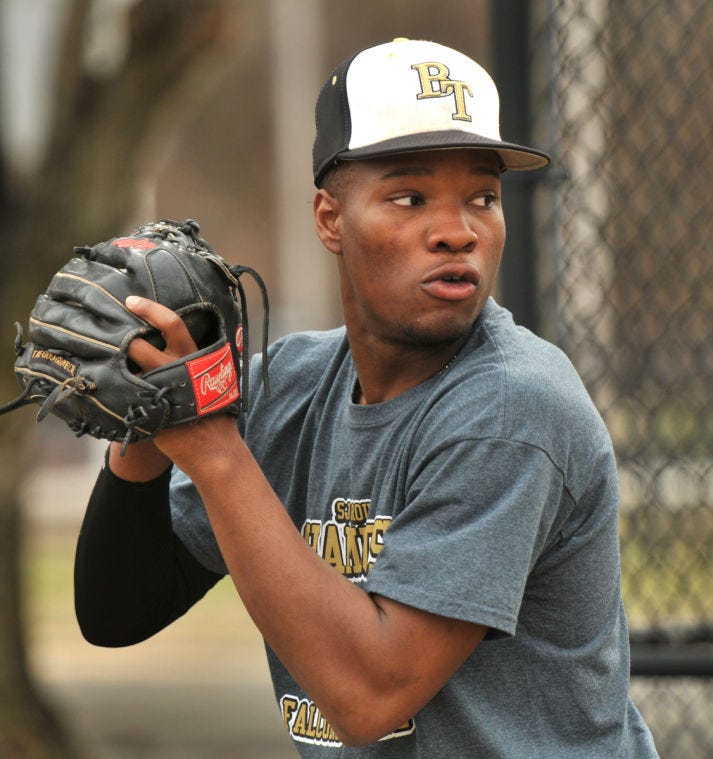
(623, 99)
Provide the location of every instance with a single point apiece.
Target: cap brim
(515, 157)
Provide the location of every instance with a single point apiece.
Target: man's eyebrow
(407, 171)
(489, 170)
(416, 171)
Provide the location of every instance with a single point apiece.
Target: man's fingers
(142, 353)
(173, 329)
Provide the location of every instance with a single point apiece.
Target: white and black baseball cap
(410, 95)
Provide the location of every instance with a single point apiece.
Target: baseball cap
(410, 95)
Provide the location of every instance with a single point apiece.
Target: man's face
(419, 238)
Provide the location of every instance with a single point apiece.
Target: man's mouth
(454, 281)
(455, 271)
(453, 278)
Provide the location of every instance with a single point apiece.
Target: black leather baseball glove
(75, 363)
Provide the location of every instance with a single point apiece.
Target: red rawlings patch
(215, 383)
(134, 242)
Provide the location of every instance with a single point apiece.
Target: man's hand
(144, 461)
(173, 329)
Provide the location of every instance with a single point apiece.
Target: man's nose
(451, 232)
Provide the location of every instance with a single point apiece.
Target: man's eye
(485, 201)
(408, 200)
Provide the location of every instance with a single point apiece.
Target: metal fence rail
(622, 96)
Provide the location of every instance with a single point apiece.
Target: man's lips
(453, 281)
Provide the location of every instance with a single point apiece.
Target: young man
(421, 519)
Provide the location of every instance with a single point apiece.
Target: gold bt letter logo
(436, 83)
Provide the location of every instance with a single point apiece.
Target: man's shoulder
(309, 345)
(520, 382)
(297, 362)
(305, 352)
(517, 355)
(517, 388)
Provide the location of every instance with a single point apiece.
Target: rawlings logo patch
(62, 363)
(134, 242)
(215, 384)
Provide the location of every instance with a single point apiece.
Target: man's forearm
(342, 645)
(132, 575)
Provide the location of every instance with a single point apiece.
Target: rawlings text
(215, 383)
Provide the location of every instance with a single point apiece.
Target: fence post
(511, 71)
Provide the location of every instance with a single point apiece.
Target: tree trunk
(84, 193)
(27, 727)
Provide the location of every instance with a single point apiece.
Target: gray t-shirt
(487, 493)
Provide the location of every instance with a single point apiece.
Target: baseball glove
(75, 363)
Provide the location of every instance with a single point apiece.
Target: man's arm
(132, 576)
(368, 662)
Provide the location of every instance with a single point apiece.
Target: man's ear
(327, 221)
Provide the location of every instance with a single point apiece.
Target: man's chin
(437, 336)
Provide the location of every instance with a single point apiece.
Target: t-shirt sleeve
(191, 524)
(477, 514)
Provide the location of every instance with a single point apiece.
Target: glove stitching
(72, 333)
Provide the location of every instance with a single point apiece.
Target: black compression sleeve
(132, 575)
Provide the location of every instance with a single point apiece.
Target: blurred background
(116, 112)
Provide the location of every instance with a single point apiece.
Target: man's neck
(383, 374)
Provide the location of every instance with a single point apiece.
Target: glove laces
(64, 390)
(233, 273)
